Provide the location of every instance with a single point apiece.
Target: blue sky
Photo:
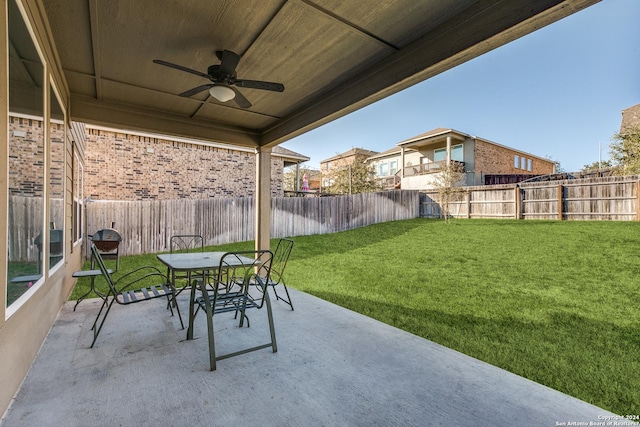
(558, 93)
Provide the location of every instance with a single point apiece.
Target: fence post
(560, 200)
(468, 204)
(518, 203)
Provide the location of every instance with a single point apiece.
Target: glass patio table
(190, 262)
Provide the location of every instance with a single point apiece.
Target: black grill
(107, 241)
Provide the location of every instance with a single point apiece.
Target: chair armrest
(139, 277)
(137, 270)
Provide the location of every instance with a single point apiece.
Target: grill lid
(106, 239)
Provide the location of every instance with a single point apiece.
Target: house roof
(333, 57)
(288, 155)
(434, 133)
(630, 117)
(352, 152)
(395, 151)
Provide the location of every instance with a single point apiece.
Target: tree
(447, 181)
(353, 178)
(558, 168)
(596, 165)
(625, 151)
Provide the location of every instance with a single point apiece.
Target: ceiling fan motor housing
(218, 76)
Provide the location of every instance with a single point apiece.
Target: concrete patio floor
(333, 367)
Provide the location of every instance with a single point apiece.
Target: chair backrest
(237, 269)
(280, 258)
(103, 268)
(186, 243)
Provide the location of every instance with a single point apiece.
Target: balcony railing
(390, 182)
(427, 168)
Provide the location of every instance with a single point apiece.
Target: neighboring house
(340, 161)
(415, 162)
(388, 167)
(125, 165)
(314, 179)
(302, 181)
(630, 117)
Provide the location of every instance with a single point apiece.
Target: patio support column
(263, 198)
(402, 161)
(448, 150)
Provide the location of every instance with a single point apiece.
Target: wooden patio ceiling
(333, 57)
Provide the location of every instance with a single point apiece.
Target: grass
(555, 302)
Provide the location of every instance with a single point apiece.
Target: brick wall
(339, 163)
(57, 153)
(122, 166)
(494, 159)
(26, 157)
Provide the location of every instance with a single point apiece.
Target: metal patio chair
(186, 243)
(123, 294)
(237, 274)
(280, 258)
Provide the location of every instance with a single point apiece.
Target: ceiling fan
(223, 79)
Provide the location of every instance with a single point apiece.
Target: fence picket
(609, 198)
(147, 226)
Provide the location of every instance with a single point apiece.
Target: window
(457, 154)
(393, 167)
(26, 239)
(78, 197)
(516, 161)
(530, 165)
(523, 163)
(383, 169)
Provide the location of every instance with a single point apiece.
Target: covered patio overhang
(432, 138)
(92, 61)
(333, 57)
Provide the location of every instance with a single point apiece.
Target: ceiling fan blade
(181, 68)
(255, 84)
(240, 99)
(195, 90)
(229, 62)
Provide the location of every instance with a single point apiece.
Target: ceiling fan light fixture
(222, 93)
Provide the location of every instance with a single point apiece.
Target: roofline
(465, 135)
(387, 153)
(346, 154)
(300, 157)
(513, 149)
(423, 136)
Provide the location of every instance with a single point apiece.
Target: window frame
(436, 152)
(54, 96)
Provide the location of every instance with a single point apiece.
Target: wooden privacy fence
(146, 227)
(25, 226)
(609, 198)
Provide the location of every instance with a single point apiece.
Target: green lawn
(556, 302)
